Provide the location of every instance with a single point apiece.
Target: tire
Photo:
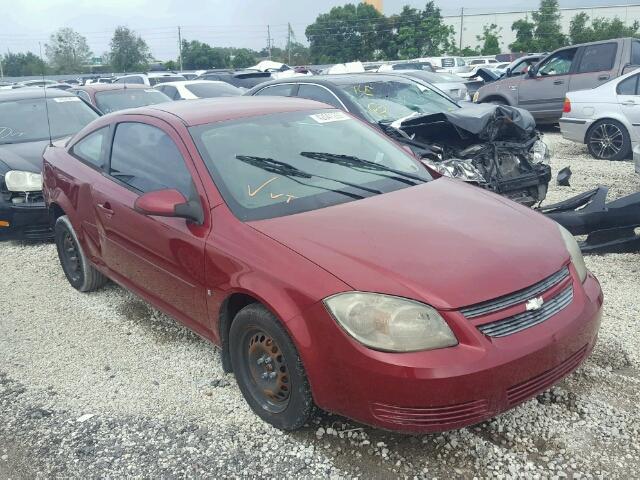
(497, 101)
(79, 272)
(268, 369)
(608, 140)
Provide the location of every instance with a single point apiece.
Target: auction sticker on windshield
(66, 99)
(328, 117)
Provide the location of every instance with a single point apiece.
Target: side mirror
(507, 73)
(532, 72)
(169, 203)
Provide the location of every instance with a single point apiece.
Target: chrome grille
(522, 321)
(512, 299)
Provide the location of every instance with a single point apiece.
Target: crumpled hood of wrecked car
(444, 243)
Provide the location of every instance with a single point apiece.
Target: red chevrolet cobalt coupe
(330, 266)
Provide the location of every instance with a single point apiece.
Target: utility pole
(269, 40)
(1, 71)
(179, 47)
(461, 26)
(289, 42)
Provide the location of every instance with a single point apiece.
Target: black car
(245, 79)
(495, 147)
(24, 134)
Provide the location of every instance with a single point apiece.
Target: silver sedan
(451, 84)
(606, 118)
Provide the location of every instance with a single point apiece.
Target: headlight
(476, 96)
(17, 181)
(574, 251)
(388, 323)
(540, 152)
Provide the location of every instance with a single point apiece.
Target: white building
(472, 24)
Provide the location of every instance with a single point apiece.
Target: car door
(543, 93)
(595, 65)
(162, 257)
(628, 94)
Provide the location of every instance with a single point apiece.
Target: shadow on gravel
(163, 328)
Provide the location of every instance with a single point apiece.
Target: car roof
(100, 87)
(210, 110)
(338, 79)
(194, 82)
(29, 92)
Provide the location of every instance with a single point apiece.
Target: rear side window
(83, 95)
(146, 159)
(89, 149)
(134, 80)
(319, 94)
(635, 52)
(598, 58)
(283, 90)
(629, 86)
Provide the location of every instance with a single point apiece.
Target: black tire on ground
(609, 140)
(78, 270)
(268, 369)
(497, 101)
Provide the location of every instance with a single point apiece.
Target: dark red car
(328, 264)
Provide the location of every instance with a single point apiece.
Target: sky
(240, 23)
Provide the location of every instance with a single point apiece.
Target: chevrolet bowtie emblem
(534, 304)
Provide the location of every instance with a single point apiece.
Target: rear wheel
(79, 272)
(268, 369)
(609, 140)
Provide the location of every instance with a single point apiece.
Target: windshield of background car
(285, 163)
(209, 90)
(387, 101)
(114, 100)
(25, 120)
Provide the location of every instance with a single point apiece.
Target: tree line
(345, 33)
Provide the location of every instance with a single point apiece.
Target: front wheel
(609, 140)
(268, 369)
(79, 272)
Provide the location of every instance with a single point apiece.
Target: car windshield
(114, 100)
(165, 79)
(387, 101)
(25, 120)
(211, 89)
(281, 164)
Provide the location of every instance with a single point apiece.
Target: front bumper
(27, 221)
(449, 388)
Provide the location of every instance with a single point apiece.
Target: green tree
(580, 31)
(524, 42)
(22, 64)
(490, 39)
(348, 33)
(199, 55)
(67, 51)
(421, 33)
(170, 65)
(548, 32)
(129, 52)
(243, 58)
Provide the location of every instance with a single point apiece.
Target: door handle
(604, 77)
(106, 209)
(628, 102)
(559, 82)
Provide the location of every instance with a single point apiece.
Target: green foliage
(420, 33)
(129, 52)
(67, 51)
(490, 39)
(548, 32)
(22, 64)
(600, 29)
(198, 55)
(243, 58)
(171, 65)
(348, 33)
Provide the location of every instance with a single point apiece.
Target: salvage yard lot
(102, 385)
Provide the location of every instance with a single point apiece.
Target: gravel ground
(103, 385)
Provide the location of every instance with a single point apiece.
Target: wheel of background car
(81, 275)
(268, 369)
(497, 101)
(609, 140)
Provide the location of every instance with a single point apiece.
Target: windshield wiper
(293, 173)
(351, 161)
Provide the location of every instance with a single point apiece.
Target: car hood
(25, 156)
(444, 243)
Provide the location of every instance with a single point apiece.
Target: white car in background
(606, 118)
(192, 89)
(150, 79)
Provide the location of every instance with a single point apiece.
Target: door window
(282, 90)
(89, 149)
(171, 92)
(558, 64)
(146, 159)
(629, 86)
(598, 58)
(83, 95)
(635, 52)
(320, 94)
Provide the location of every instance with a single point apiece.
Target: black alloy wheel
(609, 140)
